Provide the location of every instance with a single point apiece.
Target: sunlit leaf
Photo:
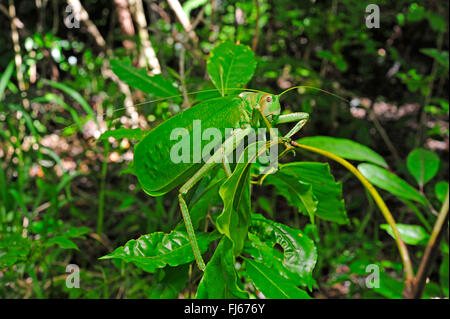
(344, 148)
(390, 182)
(272, 284)
(423, 165)
(440, 190)
(231, 66)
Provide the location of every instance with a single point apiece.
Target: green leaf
(139, 79)
(62, 242)
(271, 284)
(440, 190)
(132, 134)
(231, 66)
(152, 251)
(444, 274)
(235, 192)
(440, 56)
(297, 193)
(4, 79)
(344, 148)
(299, 255)
(13, 249)
(437, 23)
(329, 193)
(411, 234)
(74, 232)
(172, 281)
(390, 182)
(423, 165)
(220, 278)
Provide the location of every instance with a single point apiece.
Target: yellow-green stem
(407, 265)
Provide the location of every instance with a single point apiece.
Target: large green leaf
(299, 255)
(139, 79)
(411, 234)
(271, 283)
(329, 193)
(423, 165)
(390, 182)
(231, 66)
(233, 222)
(156, 250)
(344, 148)
(220, 278)
(297, 193)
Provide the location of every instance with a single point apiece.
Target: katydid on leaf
(158, 174)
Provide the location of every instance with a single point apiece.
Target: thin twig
(430, 252)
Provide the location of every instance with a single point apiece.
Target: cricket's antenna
(314, 88)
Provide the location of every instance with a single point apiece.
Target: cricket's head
(269, 105)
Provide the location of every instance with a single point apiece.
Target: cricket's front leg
(300, 117)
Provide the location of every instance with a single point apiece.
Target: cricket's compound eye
(268, 99)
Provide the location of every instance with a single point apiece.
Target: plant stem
(101, 199)
(430, 251)
(407, 265)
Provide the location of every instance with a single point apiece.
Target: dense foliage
(357, 208)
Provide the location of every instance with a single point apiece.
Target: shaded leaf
(173, 280)
(390, 182)
(344, 148)
(299, 255)
(297, 193)
(272, 284)
(220, 278)
(329, 193)
(13, 249)
(440, 56)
